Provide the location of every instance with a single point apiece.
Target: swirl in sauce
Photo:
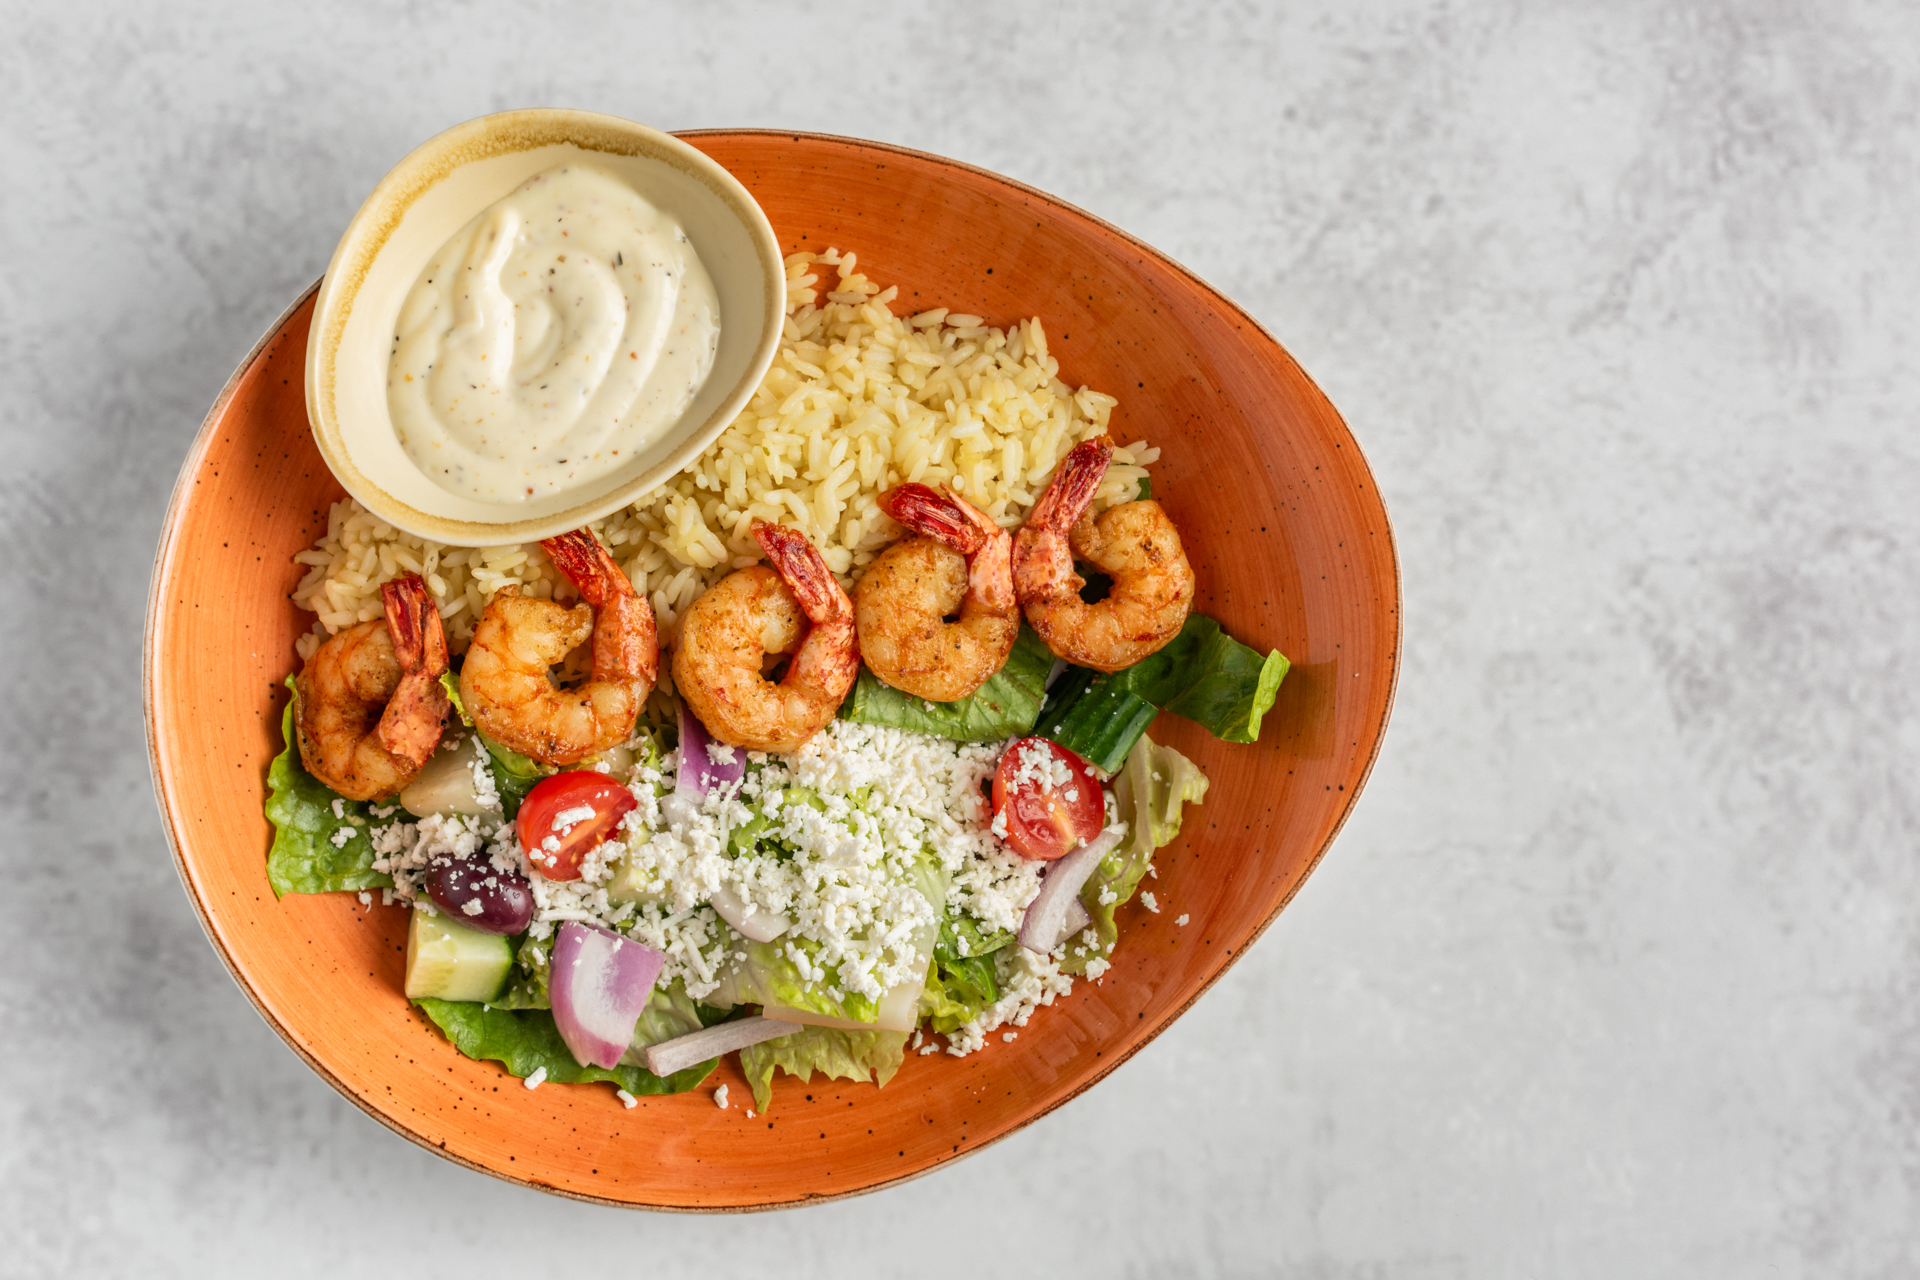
(552, 338)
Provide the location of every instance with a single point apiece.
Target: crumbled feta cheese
(366, 899)
(473, 908)
(565, 820)
(627, 1100)
(1147, 901)
(1097, 968)
(720, 1097)
(1107, 896)
(538, 1078)
(1010, 1037)
(1182, 920)
(340, 835)
(749, 1113)
(339, 810)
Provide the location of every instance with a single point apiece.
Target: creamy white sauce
(551, 339)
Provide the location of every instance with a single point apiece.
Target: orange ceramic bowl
(1291, 546)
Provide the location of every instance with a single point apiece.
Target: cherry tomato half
(566, 816)
(1049, 799)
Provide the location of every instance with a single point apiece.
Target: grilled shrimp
(371, 706)
(1134, 543)
(758, 611)
(505, 682)
(902, 602)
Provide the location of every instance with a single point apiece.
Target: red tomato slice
(1049, 810)
(554, 831)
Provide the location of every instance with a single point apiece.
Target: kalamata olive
(505, 898)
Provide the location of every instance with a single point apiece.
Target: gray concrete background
(1616, 970)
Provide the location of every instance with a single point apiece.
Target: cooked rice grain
(857, 400)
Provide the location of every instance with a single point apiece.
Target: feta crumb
(1107, 896)
(473, 908)
(720, 1097)
(627, 1100)
(749, 1113)
(339, 811)
(1147, 901)
(1010, 1037)
(366, 899)
(566, 818)
(340, 835)
(538, 1078)
(1182, 920)
(1097, 968)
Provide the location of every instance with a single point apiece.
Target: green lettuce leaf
(670, 1014)
(1203, 674)
(513, 774)
(525, 1041)
(840, 1055)
(1150, 793)
(304, 858)
(1005, 706)
(528, 986)
(769, 976)
(1210, 678)
(962, 982)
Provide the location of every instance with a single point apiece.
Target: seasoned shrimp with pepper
(960, 563)
(795, 607)
(1134, 543)
(370, 705)
(505, 682)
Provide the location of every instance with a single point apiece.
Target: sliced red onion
(669, 1056)
(748, 920)
(600, 983)
(698, 772)
(1047, 921)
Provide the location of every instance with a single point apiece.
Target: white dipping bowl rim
(351, 424)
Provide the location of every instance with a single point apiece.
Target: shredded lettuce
(840, 1055)
(304, 857)
(962, 981)
(513, 774)
(1005, 706)
(770, 976)
(526, 1041)
(1150, 793)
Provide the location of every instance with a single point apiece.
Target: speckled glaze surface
(1292, 549)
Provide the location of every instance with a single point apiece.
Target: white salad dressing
(552, 338)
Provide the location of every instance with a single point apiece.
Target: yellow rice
(857, 400)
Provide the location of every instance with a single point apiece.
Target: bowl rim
(372, 227)
(167, 549)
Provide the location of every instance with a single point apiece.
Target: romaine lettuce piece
(527, 1041)
(304, 857)
(670, 1014)
(1210, 678)
(840, 1055)
(1203, 674)
(962, 982)
(1149, 792)
(1004, 707)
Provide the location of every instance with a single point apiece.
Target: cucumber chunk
(449, 961)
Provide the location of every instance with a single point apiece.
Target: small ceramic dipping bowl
(435, 192)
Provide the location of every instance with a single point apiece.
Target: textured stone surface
(1615, 970)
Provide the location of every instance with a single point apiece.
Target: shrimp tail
(799, 564)
(588, 565)
(1072, 488)
(410, 726)
(626, 638)
(939, 514)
